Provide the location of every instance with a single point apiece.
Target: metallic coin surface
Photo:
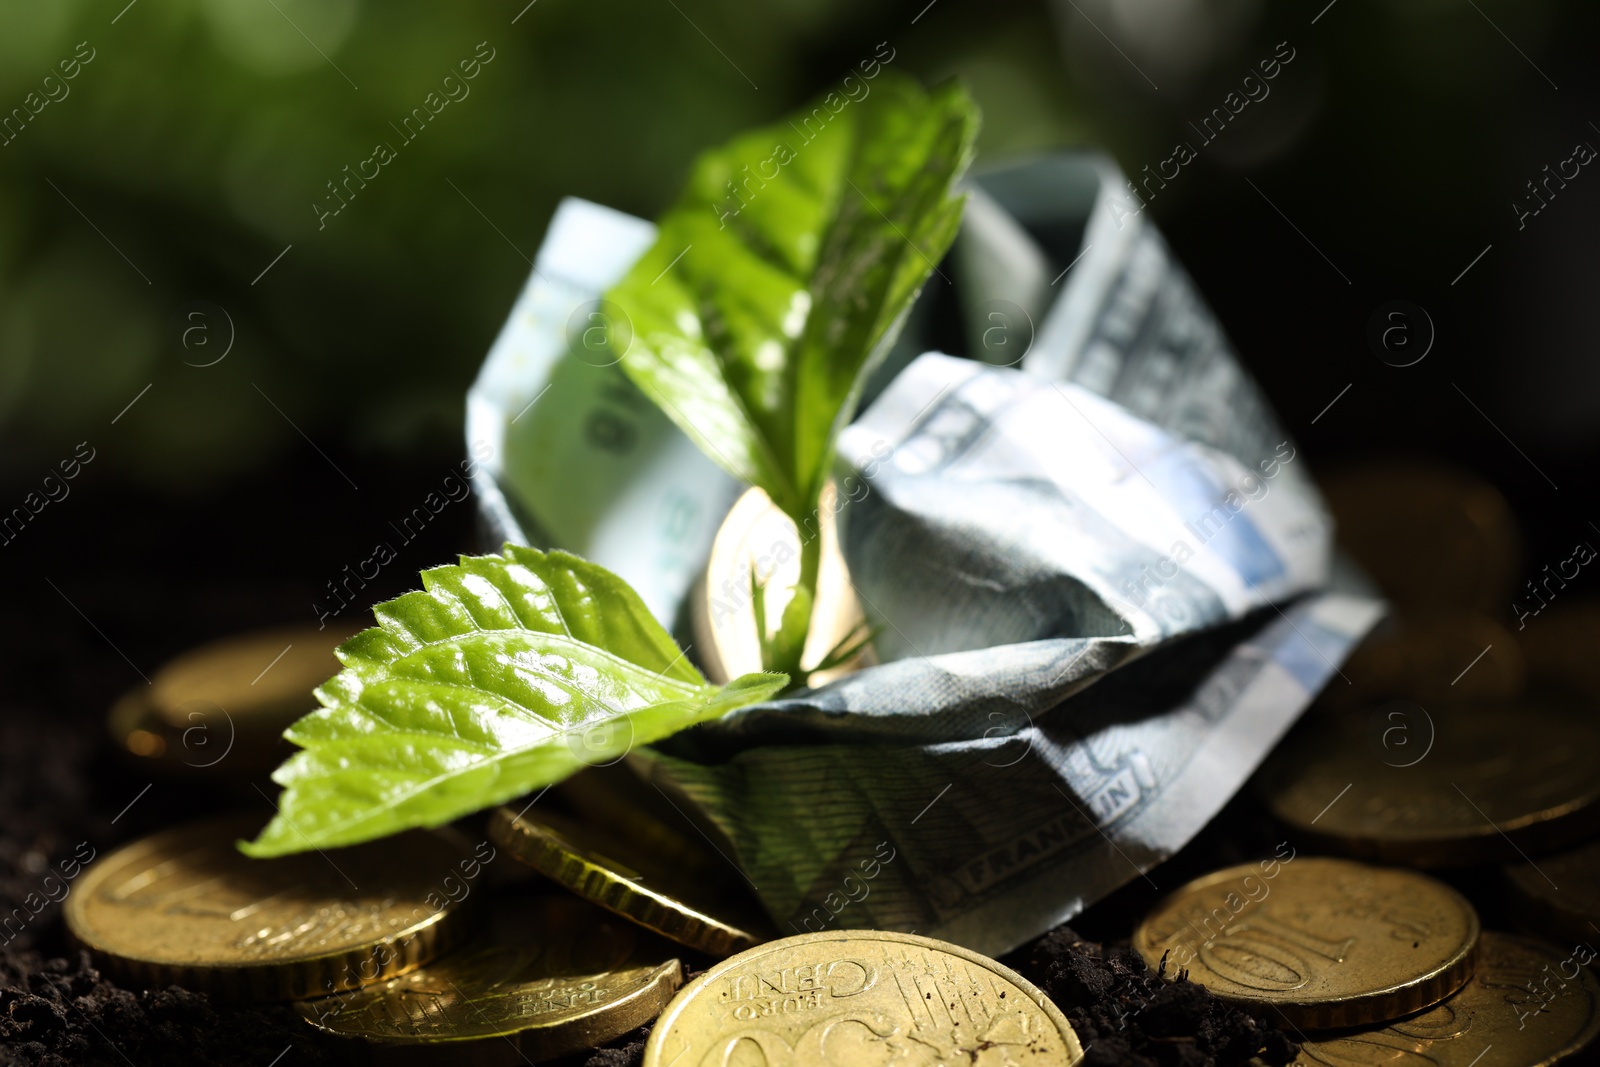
(261, 672)
(1319, 942)
(1421, 658)
(1529, 1004)
(843, 998)
(1473, 784)
(549, 975)
(1559, 894)
(1559, 642)
(223, 705)
(618, 801)
(186, 907)
(1432, 536)
(139, 731)
(625, 877)
(757, 534)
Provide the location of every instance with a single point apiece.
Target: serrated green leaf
(503, 674)
(783, 270)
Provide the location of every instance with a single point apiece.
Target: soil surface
(56, 1009)
(82, 622)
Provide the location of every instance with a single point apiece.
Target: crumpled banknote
(1096, 570)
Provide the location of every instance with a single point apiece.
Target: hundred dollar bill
(1021, 539)
(579, 458)
(1129, 323)
(1095, 575)
(991, 839)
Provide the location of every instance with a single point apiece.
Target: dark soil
(57, 1009)
(63, 792)
(1125, 1013)
(56, 1012)
(147, 581)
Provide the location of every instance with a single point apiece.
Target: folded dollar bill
(990, 839)
(1095, 572)
(573, 455)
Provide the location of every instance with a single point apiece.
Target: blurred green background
(175, 175)
(202, 132)
(188, 154)
(161, 204)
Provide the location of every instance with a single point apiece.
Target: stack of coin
(674, 894)
(1444, 549)
(1435, 538)
(1559, 644)
(365, 938)
(186, 907)
(365, 941)
(548, 976)
(1369, 965)
(1432, 751)
(1433, 756)
(1473, 784)
(220, 709)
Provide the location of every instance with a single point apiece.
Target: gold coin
(137, 729)
(757, 534)
(1462, 785)
(843, 998)
(1321, 942)
(624, 877)
(211, 748)
(1529, 1004)
(225, 704)
(258, 673)
(1432, 536)
(550, 975)
(1559, 894)
(615, 799)
(1422, 659)
(187, 907)
(1559, 643)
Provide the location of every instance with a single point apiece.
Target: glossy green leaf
(785, 268)
(503, 674)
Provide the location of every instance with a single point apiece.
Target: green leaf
(504, 674)
(786, 267)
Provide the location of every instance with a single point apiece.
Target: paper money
(989, 840)
(1129, 323)
(1095, 576)
(579, 458)
(1021, 540)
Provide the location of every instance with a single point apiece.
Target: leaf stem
(783, 653)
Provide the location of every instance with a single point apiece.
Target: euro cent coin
(264, 673)
(1422, 659)
(220, 708)
(858, 997)
(625, 877)
(1318, 942)
(1529, 1004)
(1559, 641)
(1434, 537)
(549, 975)
(1473, 784)
(1559, 894)
(186, 907)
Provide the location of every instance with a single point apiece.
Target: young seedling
(756, 319)
(779, 280)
